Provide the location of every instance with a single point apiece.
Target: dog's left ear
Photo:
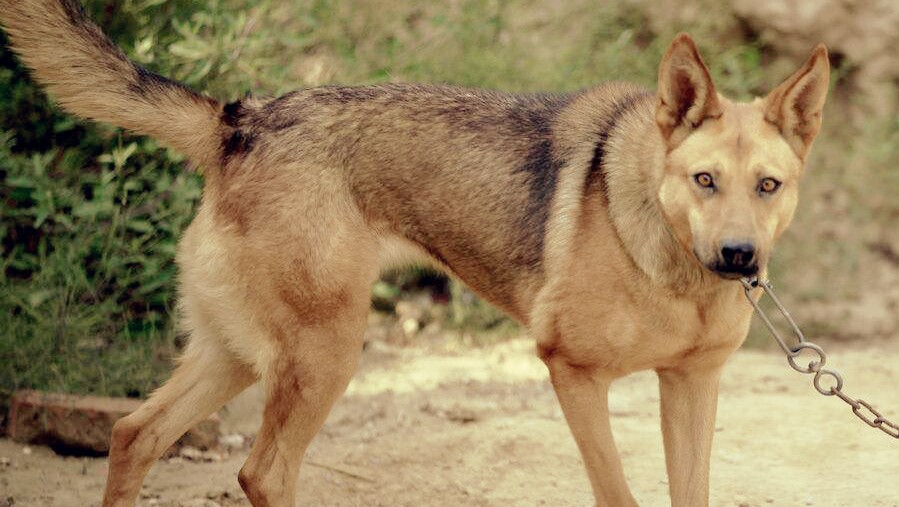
(687, 96)
(795, 106)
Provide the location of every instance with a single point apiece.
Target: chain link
(826, 382)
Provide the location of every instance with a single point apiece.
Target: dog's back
(496, 157)
(433, 165)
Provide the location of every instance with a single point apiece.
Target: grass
(90, 215)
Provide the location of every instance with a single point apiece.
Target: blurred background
(90, 216)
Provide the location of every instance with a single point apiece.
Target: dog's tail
(89, 76)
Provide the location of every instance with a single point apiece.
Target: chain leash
(861, 408)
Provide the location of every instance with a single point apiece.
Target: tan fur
(580, 215)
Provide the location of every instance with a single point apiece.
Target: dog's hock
(795, 106)
(687, 95)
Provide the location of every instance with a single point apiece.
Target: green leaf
(140, 225)
(37, 298)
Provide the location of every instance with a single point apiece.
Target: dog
(613, 222)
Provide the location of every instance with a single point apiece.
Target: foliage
(91, 215)
(90, 219)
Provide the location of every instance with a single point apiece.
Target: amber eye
(768, 185)
(704, 180)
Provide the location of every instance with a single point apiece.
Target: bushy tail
(89, 76)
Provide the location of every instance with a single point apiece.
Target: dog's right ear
(686, 94)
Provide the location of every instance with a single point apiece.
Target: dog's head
(729, 187)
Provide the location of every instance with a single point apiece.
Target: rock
(204, 435)
(863, 32)
(232, 441)
(410, 327)
(82, 424)
(456, 412)
(193, 454)
(201, 502)
(410, 314)
(415, 309)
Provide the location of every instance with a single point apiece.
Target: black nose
(738, 258)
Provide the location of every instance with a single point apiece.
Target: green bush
(91, 215)
(90, 218)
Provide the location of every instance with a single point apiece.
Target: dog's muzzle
(736, 259)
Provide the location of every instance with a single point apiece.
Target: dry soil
(447, 425)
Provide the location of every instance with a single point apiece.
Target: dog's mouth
(729, 272)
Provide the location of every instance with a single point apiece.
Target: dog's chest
(692, 330)
(625, 331)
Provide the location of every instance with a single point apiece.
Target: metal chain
(861, 408)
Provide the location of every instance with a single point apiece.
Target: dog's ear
(686, 95)
(795, 106)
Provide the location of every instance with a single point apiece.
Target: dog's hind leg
(206, 377)
(309, 368)
(583, 395)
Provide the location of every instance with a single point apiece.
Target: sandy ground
(445, 425)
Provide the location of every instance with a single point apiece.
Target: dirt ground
(448, 425)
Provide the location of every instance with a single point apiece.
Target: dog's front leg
(583, 395)
(689, 402)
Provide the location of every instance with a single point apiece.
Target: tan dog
(612, 222)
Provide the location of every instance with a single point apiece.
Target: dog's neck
(634, 168)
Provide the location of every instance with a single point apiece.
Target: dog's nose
(738, 257)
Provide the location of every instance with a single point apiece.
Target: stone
(232, 441)
(862, 32)
(82, 424)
